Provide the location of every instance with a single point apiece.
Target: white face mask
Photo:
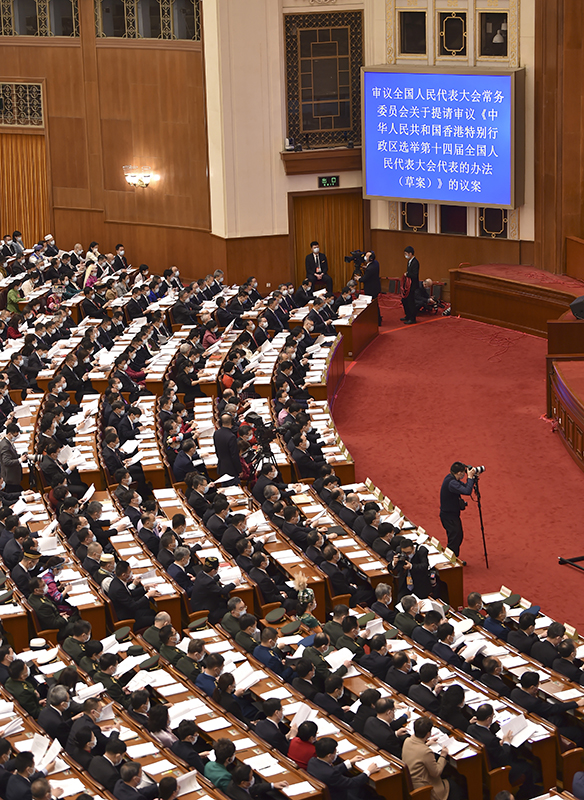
(122, 252)
(315, 249)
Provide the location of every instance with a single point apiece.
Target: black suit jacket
(267, 586)
(496, 684)
(569, 669)
(310, 263)
(225, 442)
(401, 681)
(425, 697)
(272, 734)
(376, 664)
(104, 772)
(55, 724)
(544, 652)
(341, 785)
(499, 754)
(370, 279)
(521, 641)
(382, 735)
(124, 792)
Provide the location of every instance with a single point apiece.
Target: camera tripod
(477, 492)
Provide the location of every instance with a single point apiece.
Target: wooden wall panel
(439, 253)
(68, 157)
(559, 117)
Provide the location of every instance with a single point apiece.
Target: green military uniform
(113, 687)
(188, 667)
(334, 630)
(152, 636)
(88, 665)
(25, 695)
(171, 654)
(354, 645)
(74, 648)
(405, 623)
(323, 671)
(48, 614)
(246, 641)
(476, 616)
(230, 624)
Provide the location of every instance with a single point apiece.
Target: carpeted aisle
(422, 396)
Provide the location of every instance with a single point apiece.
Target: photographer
(451, 502)
(370, 278)
(412, 570)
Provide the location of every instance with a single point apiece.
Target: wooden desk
(361, 331)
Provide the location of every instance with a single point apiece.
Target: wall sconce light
(138, 176)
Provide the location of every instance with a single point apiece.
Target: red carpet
(422, 396)
(525, 274)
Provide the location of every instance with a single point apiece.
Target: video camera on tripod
(357, 257)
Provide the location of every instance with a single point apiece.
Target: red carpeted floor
(422, 396)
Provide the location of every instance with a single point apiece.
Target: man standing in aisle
(410, 285)
(451, 502)
(317, 267)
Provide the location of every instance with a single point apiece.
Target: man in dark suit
(411, 282)
(330, 699)
(134, 309)
(53, 471)
(18, 786)
(302, 682)
(208, 594)
(370, 277)
(378, 660)
(126, 788)
(567, 664)
(303, 293)
(526, 697)
(524, 639)
(105, 769)
(322, 324)
(267, 585)
(425, 693)
(120, 261)
(499, 751)
(90, 307)
(316, 264)
(308, 467)
(271, 314)
(271, 728)
(177, 570)
(400, 675)
(342, 581)
(225, 441)
(336, 777)
(244, 785)
(384, 730)
(425, 634)
(491, 677)
(10, 461)
(52, 718)
(129, 598)
(92, 709)
(546, 651)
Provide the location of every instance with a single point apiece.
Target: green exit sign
(329, 182)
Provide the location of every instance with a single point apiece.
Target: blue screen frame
(439, 137)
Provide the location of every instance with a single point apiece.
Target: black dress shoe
(410, 322)
(402, 319)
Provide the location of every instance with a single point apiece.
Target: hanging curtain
(336, 222)
(24, 197)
